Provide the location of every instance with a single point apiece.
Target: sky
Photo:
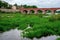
(38, 3)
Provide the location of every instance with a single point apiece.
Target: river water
(15, 34)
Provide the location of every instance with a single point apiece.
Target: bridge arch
(25, 11)
(57, 11)
(48, 11)
(39, 11)
(32, 11)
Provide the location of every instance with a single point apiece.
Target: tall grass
(40, 26)
(58, 39)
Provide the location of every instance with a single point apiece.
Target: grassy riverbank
(13, 20)
(40, 24)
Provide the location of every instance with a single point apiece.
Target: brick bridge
(36, 10)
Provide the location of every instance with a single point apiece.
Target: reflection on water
(16, 35)
(10, 35)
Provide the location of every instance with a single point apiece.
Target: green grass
(40, 26)
(13, 20)
(58, 39)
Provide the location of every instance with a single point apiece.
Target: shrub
(58, 39)
(40, 26)
(54, 18)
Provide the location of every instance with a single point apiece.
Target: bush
(43, 29)
(40, 26)
(58, 39)
(54, 18)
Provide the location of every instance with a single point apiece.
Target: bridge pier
(22, 12)
(28, 12)
(35, 12)
(53, 11)
(43, 12)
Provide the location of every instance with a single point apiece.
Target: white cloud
(39, 3)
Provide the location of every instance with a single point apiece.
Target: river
(15, 34)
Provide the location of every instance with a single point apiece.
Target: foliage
(27, 6)
(4, 4)
(48, 11)
(58, 39)
(15, 5)
(54, 18)
(40, 26)
(44, 27)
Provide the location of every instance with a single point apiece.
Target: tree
(34, 6)
(15, 5)
(27, 6)
(9, 6)
(3, 4)
(0, 3)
